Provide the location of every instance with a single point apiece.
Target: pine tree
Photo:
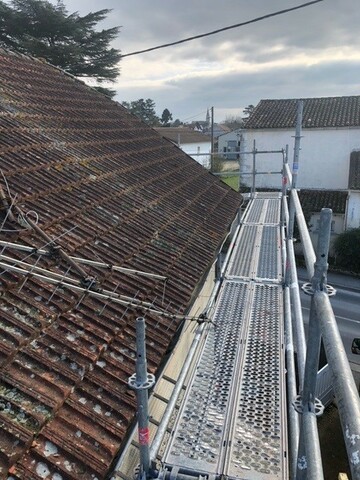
(166, 118)
(144, 109)
(69, 41)
(248, 111)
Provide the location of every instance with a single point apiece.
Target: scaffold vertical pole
(253, 170)
(141, 381)
(295, 169)
(284, 175)
(309, 457)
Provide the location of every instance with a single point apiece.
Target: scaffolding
(244, 405)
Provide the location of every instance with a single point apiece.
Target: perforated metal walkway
(233, 418)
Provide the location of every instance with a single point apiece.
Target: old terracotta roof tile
(323, 112)
(103, 186)
(315, 200)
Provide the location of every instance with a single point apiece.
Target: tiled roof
(99, 183)
(317, 112)
(185, 135)
(315, 200)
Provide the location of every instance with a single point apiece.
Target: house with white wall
(194, 143)
(230, 144)
(330, 146)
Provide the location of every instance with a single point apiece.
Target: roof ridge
(307, 98)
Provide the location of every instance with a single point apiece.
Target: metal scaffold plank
(267, 195)
(200, 431)
(263, 211)
(241, 263)
(269, 264)
(232, 421)
(257, 254)
(258, 431)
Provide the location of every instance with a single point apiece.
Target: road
(346, 306)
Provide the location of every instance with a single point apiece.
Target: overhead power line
(248, 22)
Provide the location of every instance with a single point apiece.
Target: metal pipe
(309, 466)
(33, 268)
(263, 151)
(85, 261)
(229, 251)
(212, 138)
(299, 115)
(236, 173)
(253, 172)
(141, 381)
(290, 228)
(285, 210)
(291, 280)
(108, 295)
(275, 172)
(115, 268)
(23, 248)
(343, 383)
(312, 358)
(156, 443)
(318, 283)
(283, 250)
(295, 166)
(293, 416)
(62, 281)
(284, 177)
(308, 249)
(240, 152)
(225, 154)
(288, 174)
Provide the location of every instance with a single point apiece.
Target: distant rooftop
(315, 200)
(317, 113)
(182, 135)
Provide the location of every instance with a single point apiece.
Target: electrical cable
(248, 22)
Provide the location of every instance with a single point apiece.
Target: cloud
(309, 52)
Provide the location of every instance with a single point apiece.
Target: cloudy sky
(310, 52)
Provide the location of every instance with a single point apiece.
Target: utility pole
(212, 139)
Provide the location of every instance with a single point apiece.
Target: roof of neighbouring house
(317, 112)
(182, 135)
(83, 178)
(218, 128)
(314, 200)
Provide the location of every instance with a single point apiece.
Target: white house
(231, 144)
(330, 146)
(194, 143)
